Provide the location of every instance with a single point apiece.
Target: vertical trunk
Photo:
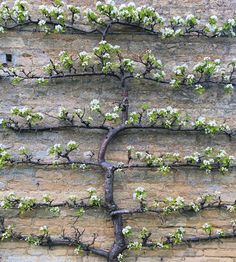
(125, 102)
(109, 178)
(119, 243)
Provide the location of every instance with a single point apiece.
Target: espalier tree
(108, 60)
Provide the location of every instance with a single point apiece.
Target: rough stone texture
(33, 51)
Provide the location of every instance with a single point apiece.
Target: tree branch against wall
(108, 61)
(59, 17)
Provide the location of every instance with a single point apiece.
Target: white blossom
(92, 190)
(83, 53)
(58, 28)
(43, 228)
(94, 198)
(214, 17)
(41, 22)
(167, 32)
(72, 144)
(195, 207)
(112, 116)
(83, 166)
(62, 112)
(190, 76)
(231, 22)
(231, 209)
(233, 223)
(206, 226)
(95, 105)
(229, 87)
(79, 112)
(212, 123)
(129, 148)
(220, 232)
(127, 230)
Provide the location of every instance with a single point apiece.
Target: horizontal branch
(25, 129)
(195, 239)
(103, 22)
(8, 233)
(172, 166)
(35, 22)
(207, 238)
(60, 76)
(60, 241)
(56, 128)
(184, 209)
(232, 132)
(117, 75)
(68, 163)
(65, 242)
(69, 204)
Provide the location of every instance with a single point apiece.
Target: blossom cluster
(106, 60)
(58, 150)
(172, 239)
(127, 231)
(139, 194)
(207, 228)
(210, 158)
(149, 18)
(24, 151)
(210, 127)
(95, 105)
(65, 60)
(4, 156)
(7, 234)
(84, 59)
(168, 116)
(173, 204)
(27, 113)
(58, 16)
(94, 199)
(59, 13)
(177, 236)
(19, 12)
(203, 70)
(23, 204)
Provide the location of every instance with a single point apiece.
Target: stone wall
(33, 51)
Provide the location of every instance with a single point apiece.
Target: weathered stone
(33, 50)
